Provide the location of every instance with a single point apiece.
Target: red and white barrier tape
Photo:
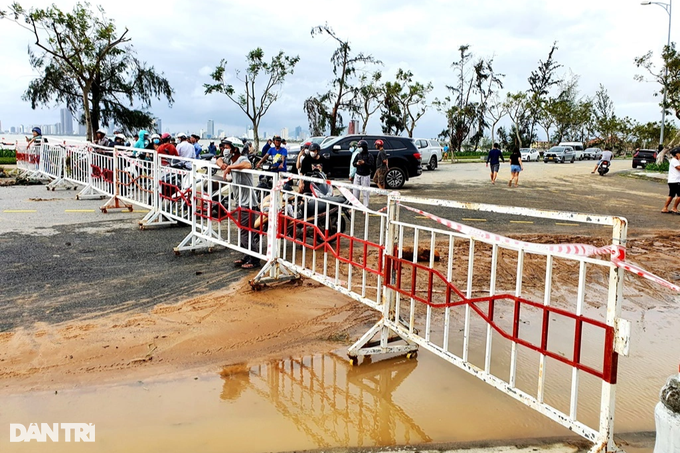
(354, 201)
(617, 252)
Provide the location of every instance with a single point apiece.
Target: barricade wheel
(412, 355)
(104, 210)
(354, 361)
(177, 253)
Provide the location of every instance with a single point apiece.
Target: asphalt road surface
(63, 259)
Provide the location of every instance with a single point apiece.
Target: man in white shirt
(185, 149)
(673, 183)
(606, 156)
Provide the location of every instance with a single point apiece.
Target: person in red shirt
(167, 147)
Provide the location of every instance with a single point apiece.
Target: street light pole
(668, 7)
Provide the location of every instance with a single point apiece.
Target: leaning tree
(84, 62)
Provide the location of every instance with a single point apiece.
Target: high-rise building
(220, 133)
(353, 127)
(211, 129)
(82, 129)
(66, 122)
(250, 133)
(157, 126)
(284, 133)
(298, 133)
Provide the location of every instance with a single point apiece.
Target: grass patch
(8, 160)
(663, 168)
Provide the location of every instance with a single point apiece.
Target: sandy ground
(239, 325)
(223, 328)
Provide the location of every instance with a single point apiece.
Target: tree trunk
(256, 137)
(88, 117)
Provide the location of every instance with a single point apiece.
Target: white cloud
(185, 40)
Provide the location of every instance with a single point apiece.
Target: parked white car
(529, 154)
(430, 152)
(577, 147)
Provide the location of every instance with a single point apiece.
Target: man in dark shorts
(380, 164)
(673, 182)
(494, 158)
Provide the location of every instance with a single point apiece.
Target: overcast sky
(597, 39)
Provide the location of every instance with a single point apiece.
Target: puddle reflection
(331, 402)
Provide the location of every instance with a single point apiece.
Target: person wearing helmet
(304, 151)
(242, 187)
(352, 169)
(364, 164)
(119, 140)
(278, 154)
(142, 140)
(380, 164)
(154, 142)
(311, 163)
(198, 149)
(36, 139)
(167, 148)
(185, 149)
(101, 139)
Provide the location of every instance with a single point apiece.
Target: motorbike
(603, 168)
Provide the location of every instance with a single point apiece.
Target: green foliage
(8, 153)
(466, 107)
(85, 64)
(404, 103)
(663, 167)
(254, 105)
(342, 92)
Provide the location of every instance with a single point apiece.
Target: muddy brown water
(322, 401)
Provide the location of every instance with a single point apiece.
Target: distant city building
(298, 133)
(284, 133)
(211, 129)
(157, 125)
(250, 133)
(82, 129)
(220, 133)
(353, 127)
(66, 122)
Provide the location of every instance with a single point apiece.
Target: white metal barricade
(229, 214)
(52, 159)
(28, 159)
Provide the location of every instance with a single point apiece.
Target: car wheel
(433, 163)
(572, 160)
(634, 166)
(395, 178)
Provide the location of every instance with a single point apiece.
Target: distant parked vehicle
(529, 154)
(577, 147)
(559, 154)
(643, 157)
(592, 153)
(431, 152)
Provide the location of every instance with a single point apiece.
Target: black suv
(404, 159)
(643, 157)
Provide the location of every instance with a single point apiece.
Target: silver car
(559, 154)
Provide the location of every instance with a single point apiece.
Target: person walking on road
(673, 182)
(515, 167)
(364, 164)
(494, 158)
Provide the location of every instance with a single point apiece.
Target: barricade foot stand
(192, 243)
(115, 203)
(88, 193)
(155, 219)
(386, 343)
(605, 447)
(60, 183)
(274, 272)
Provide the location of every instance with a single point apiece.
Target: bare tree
(254, 105)
(340, 96)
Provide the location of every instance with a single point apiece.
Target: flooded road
(322, 401)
